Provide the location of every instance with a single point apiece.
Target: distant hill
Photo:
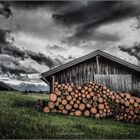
(30, 87)
(5, 87)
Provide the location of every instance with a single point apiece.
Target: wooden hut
(98, 66)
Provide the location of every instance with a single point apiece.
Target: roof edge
(89, 56)
(95, 53)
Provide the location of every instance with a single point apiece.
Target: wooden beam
(45, 81)
(52, 84)
(97, 63)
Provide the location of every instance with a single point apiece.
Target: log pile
(92, 99)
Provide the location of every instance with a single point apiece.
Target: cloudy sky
(42, 35)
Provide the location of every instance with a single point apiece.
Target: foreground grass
(19, 119)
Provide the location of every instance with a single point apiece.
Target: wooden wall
(116, 82)
(104, 71)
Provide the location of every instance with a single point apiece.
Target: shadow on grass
(30, 104)
(25, 127)
(24, 103)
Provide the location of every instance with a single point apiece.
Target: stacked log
(129, 108)
(92, 99)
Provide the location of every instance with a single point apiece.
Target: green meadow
(19, 119)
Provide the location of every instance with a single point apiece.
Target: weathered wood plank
(115, 82)
(118, 77)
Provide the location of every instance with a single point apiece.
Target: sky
(42, 35)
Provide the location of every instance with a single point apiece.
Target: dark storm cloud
(55, 48)
(5, 9)
(16, 70)
(12, 58)
(9, 64)
(91, 36)
(41, 58)
(36, 4)
(88, 19)
(8, 49)
(12, 50)
(3, 35)
(58, 61)
(133, 50)
(24, 54)
(39, 23)
(8, 54)
(85, 13)
(97, 13)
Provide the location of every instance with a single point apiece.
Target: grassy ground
(19, 119)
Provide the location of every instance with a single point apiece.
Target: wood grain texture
(104, 71)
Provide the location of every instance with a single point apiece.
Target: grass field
(20, 119)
